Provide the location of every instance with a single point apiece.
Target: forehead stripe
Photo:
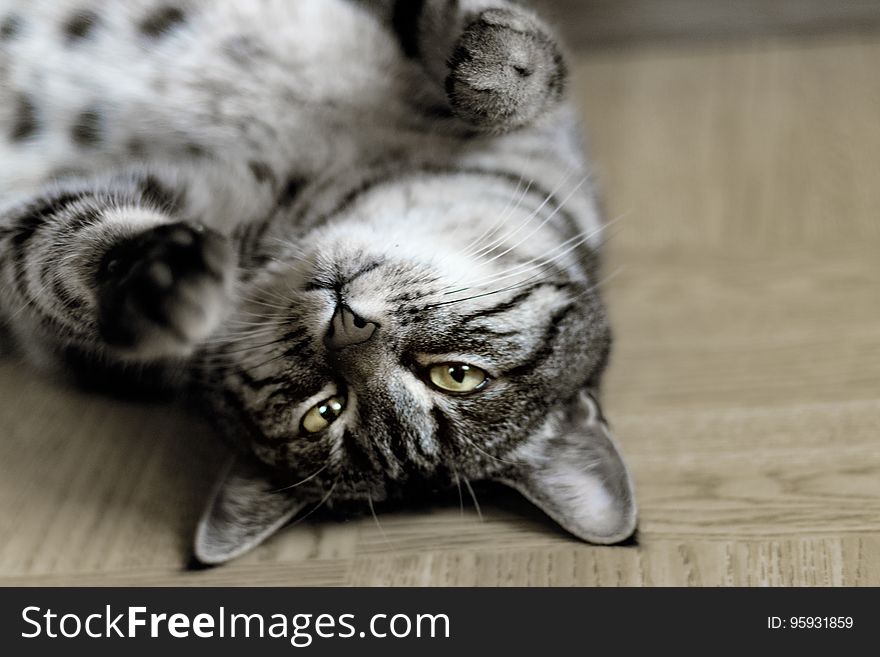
(547, 344)
(519, 299)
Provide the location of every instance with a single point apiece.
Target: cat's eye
(457, 378)
(320, 416)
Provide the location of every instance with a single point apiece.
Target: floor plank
(617, 23)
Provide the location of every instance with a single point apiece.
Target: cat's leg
(499, 64)
(111, 270)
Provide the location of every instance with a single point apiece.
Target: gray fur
(281, 203)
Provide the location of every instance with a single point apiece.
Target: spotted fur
(280, 202)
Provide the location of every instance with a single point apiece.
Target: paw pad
(162, 291)
(504, 72)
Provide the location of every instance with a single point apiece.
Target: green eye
(457, 378)
(320, 416)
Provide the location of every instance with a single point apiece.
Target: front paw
(163, 292)
(505, 71)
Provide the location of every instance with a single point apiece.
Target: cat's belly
(87, 85)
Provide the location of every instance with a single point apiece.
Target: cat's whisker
(249, 348)
(303, 481)
(486, 251)
(510, 203)
(378, 524)
(513, 205)
(519, 202)
(247, 367)
(501, 239)
(240, 329)
(231, 341)
(541, 225)
(474, 498)
(260, 321)
(541, 262)
(486, 294)
(264, 298)
(485, 453)
(535, 263)
(315, 508)
(569, 245)
(240, 357)
(499, 242)
(219, 354)
(534, 279)
(249, 360)
(508, 211)
(460, 496)
(603, 281)
(247, 335)
(609, 235)
(288, 244)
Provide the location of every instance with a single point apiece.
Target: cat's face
(383, 353)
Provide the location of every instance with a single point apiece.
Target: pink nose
(347, 329)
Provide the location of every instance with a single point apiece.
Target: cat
(363, 234)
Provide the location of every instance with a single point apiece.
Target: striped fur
(199, 187)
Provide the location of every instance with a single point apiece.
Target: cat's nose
(348, 329)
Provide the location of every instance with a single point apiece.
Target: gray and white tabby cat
(362, 232)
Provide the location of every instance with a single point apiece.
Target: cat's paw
(164, 291)
(505, 71)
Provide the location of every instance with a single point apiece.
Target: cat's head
(416, 341)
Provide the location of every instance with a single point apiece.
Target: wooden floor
(622, 23)
(745, 387)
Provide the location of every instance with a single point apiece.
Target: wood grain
(604, 23)
(745, 386)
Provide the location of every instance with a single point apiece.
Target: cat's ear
(574, 472)
(245, 509)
